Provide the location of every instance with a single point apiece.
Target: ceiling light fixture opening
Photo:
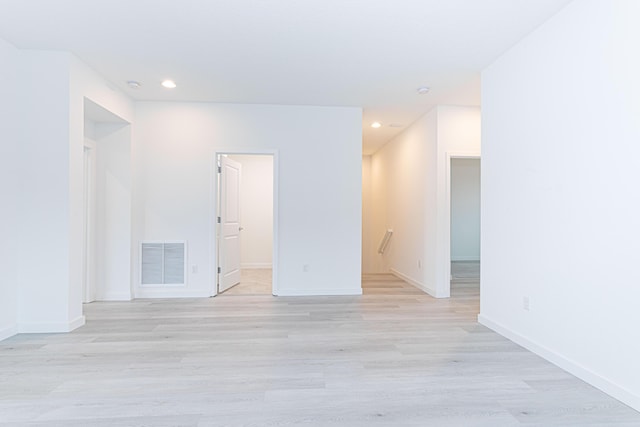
(376, 125)
(134, 84)
(423, 90)
(169, 84)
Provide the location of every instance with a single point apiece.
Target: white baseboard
(50, 327)
(607, 386)
(318, 292)
(421, 286)
(8, 332)
(255, 265)
(172, 293)
(113, 296)
(465, 258)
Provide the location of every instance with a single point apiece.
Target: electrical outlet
(419, 264)
(305, 268)
(525, 303)
(194, 269)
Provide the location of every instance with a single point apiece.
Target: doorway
(464, 223)
(106, 244)
(245, 224)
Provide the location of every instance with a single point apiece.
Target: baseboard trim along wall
(607, 386)
(415, 283)
(323, 292)
(255, 265)
(115, 297)
(8, 332)
(172, 293)
(50, 327)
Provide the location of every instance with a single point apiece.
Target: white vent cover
(162, 263)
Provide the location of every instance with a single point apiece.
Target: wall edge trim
(425, 288)
(50, 327)
(601, 383)
(8, 332)
(319, 292)
(171, 293)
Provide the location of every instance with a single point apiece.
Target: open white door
(229, 224)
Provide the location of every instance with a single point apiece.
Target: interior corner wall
(12, 156)
(256, 211)
(319, 194)
(560, 221)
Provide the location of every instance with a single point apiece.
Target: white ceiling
(372, 54)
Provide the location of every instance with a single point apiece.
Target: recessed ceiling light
(376, 125)
(396, 125)
(134, 84)
(169, 84)
(422, 90)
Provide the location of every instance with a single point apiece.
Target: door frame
(445, 247)
(89, 164)
(214, 200)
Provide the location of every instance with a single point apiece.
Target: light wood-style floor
(392, 357)
(253, 281)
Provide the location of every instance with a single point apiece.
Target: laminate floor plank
(391, 357)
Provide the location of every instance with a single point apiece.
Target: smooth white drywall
(256, 210)
(44, 284)
(368, 250)
(559, 205)
(409, 196)
(12, 155)
(319, 195)
(113, 211)
(465, 209)
(400, 175)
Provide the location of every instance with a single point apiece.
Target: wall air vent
(163, 263)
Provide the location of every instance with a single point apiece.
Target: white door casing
(88, 229)
(229, 224)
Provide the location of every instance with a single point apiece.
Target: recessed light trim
(169, 84)
(376, 125)
(423, 90)
(134, 84)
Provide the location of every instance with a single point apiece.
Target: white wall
(560, 220)
(47, 121)
(113, 155)
(112, 244)
(401, 172)
(11, 157)
(409, 195)
(319, 156)
(43, 298)
(256, 210)
(465, 209)
(368, 243)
